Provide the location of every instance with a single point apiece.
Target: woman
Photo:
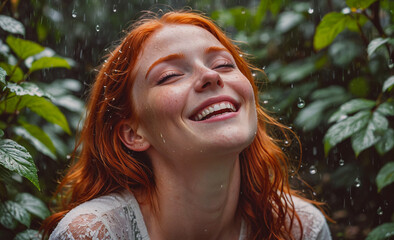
(176, 146)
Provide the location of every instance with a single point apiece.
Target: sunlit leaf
(350, 107)
(344, 129)
(27, 88)
(363, 4)
(368, 137)
(11, 25)
(28, 234)
(49, 62)
(11, 210)
(388, 84)
(33, 205)
(3, 73)
(386, 143)
(382, 232)
(23, 48)
(17, 159)
(17, 73)
(385, 176)
(38, 138)
(375, 44)
(386, 108)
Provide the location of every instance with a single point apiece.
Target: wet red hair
(103, 165)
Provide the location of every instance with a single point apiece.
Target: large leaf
(12, 210)
(388, 84)
(382, 232)
(385, 176)
(27, 88)
(33, 205)
(37, 137)
(386, 143)
(344, 129)
(350, 107)
(3, 73)
(386, 108)
(370, 135)
(363, 4)
(17, 159)
(49, 62)
(288, 20)
(375, 44)
(11, 25)
(17, 73)
(23, 48)
(28, 234)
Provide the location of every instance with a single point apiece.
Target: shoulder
(314, 225)
(100, 218)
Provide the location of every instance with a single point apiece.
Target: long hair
(103, 165)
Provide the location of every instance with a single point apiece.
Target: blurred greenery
(328, 75)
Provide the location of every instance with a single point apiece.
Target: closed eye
(227, 65)
(167, 76)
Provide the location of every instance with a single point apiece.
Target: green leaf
(386, 143)
(328, 92)
(288, 20)
(33, 205)
(11, 210)
(11, 25)
(363, 4)
(1, 133)
(28, 234)
(382, 232)
(38, 138)
(344, 129)
(385, 176)
(375, 44)
(350, 107)
(370, 135)
(49, 62)
(388, 84)
(23, 48)
(3, 73)
(386, 108)
(17, 73)
(17, 159)
(27, 88)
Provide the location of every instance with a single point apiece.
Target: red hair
(103, 165)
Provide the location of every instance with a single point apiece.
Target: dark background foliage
(329, 76)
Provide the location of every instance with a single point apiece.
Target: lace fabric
(118, 216)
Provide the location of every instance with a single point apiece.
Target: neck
(196, 199)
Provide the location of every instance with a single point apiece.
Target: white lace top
(118, 216)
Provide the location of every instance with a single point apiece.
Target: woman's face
(190, 97)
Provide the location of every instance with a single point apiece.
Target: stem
(2, 5)
(365, 39)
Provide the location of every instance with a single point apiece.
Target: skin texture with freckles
(182, 69)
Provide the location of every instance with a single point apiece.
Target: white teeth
(213, 108)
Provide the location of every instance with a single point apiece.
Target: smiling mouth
(214, 110)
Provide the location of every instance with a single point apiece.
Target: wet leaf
(328, 92)
(363, 4)
(288, 20)
(343, 52)
(386, 143)
(17, 73)
(33, 205)
(329, 28)
(368, 137)
(382, 232)
(1, 133)
(27, 88)
(23, 48)
(49, 62)
(344, 129)
(375, 44)
(37, 137)
(388, 84)
(11, 211)
(28, 234)
(350, 107)
(3, 73)
(11, 25)
(385, 176)
(386, 108)
(17, 159)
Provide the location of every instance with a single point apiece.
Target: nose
(210, 79)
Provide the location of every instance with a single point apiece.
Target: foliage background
(329, 76)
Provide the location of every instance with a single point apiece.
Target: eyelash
(230, 65)
(166, 77)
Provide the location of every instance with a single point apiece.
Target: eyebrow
(165, 59)
(215, 49)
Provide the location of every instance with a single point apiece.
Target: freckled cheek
(167, 103)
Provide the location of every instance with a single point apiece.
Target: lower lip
(220, 117)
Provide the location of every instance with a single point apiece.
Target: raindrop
(243, 12)
(114, 8)
(357, 182)
(97, 28)
(312, 170)
(341, 162)
(310, 10)
(287, 143)
(346, 10)
(265, 101)
(68, 157)
(221, 186)
(254, 74)
(379, 211)
(301, 103)
(241, 55)
(74, 13)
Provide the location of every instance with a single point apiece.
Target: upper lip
(213, 100)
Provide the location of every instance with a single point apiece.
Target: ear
(131, 139)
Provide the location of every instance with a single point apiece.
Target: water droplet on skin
(205, 230)
(74, 13)
(357, 182)
(97, 28)
(310, 10)
(379, 211)
(114, 8)
(341, 162)
(161, 135)
(301, 103)
(221, 186)
(312, 170)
